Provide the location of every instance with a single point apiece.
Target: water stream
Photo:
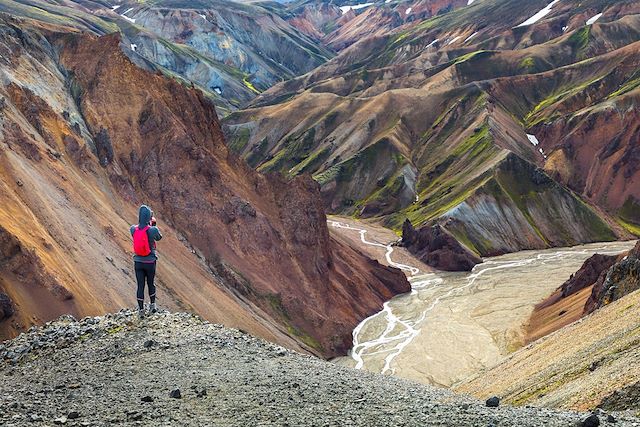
(452, 325)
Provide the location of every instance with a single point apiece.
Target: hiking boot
(140, 313)
(153, 308)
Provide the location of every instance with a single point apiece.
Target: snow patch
(133, 21)
(387, 1)
(432, 43)
(114, 8)
(217, 90)
(593, 19)
(346, 9)
(202, 16)
(471, 36)
(564, 29)
(134, 47)
(533, 139)
(538, 16)
(408, 11)
(453, 40)
(542, 152)
(470, 2)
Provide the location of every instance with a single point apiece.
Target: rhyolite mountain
(510, 134)
(87, 135)
(231, 51)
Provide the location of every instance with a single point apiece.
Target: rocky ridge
(177, 368)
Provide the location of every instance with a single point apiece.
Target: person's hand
(153, 221)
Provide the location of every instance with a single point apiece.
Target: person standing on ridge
(145, 235)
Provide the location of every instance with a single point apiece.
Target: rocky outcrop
(620, 280)
(6, 307)
(588, 274)
(437, 248)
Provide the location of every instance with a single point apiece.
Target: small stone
(149, 343)
(202, 393)
(591, 421)
(611, 419)
(60, 421)
(175, 394)
(35, 417)
(73, 415)
(493, 402)
(147, 399)
(135, 416)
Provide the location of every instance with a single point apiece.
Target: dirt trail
(452, 325)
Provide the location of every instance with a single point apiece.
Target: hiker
(145, 235)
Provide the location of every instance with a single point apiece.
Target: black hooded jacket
(153, 233)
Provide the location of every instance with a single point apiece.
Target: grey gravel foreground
(177, 370)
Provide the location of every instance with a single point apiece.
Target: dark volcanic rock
(6, 306)
(437, 248)
(588, 274)
(621, 279)
(493, 402)
(591, 421)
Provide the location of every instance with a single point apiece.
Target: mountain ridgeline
(510, 133)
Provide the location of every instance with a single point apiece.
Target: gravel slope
(117, 370)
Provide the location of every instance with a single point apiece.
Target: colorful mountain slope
(88, 135)
(433, 124)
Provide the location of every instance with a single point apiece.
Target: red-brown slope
(265, 240)
(168, 139)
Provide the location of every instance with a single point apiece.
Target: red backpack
(141, 241)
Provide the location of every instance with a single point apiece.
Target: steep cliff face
(91, 135)
(437, 248)
(601, 280)
(621, 279)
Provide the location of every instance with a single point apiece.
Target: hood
(144, 215)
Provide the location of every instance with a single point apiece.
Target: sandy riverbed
(454, 324)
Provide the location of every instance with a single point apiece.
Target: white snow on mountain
(346, 9)
(533, 139)
(133, 21)
(538, 16)
(471, 36)
(408, 11)
(453, 40)
(593, 19)
(470, 2)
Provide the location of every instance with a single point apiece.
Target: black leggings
(145, 271)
